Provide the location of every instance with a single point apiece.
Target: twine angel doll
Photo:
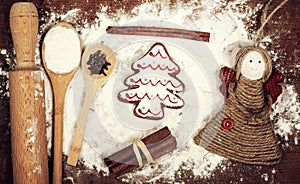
(242, 131)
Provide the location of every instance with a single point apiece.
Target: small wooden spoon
(98, 63)
(60, 79)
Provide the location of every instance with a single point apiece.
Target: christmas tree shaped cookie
(154, 84)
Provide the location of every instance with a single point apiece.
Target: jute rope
(248, 106)
(251, 140)
(265, 20)
(138, 144)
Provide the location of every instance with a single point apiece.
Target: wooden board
(285, 35)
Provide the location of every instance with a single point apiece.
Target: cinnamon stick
(156, 152)
(124, 154)
(129, 156)
(158, 144)
(160, 32)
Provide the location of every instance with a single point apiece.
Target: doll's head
(253, 63)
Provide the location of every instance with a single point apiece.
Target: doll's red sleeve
(227, 75)
(272, 86)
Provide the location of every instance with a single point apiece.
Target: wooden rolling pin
(27, 100)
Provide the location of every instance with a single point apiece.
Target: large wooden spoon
(61, 62)
(98, 63)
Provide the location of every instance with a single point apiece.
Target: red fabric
(271, 86)
(227, 75)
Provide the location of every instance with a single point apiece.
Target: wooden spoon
(98, 62)
(60, 77)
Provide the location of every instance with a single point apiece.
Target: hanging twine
(138, 144)
(264, 20)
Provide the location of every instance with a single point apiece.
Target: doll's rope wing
(272, 86)
(227, 75)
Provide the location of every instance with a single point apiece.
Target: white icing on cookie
(154, 85)
(160, 60)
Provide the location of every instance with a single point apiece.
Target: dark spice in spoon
(98, 63)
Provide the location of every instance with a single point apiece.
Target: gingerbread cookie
(154, 84)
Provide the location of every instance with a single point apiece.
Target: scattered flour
(228, 34)
(286, 114)
(32, 132)
(265, 176)
(3, 51)
(4, 86)
(38, 92)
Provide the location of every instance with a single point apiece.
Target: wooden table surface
(285, 34)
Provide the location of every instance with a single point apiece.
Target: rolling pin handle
(24, 30)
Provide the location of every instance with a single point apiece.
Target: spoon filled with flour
(61, 54)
